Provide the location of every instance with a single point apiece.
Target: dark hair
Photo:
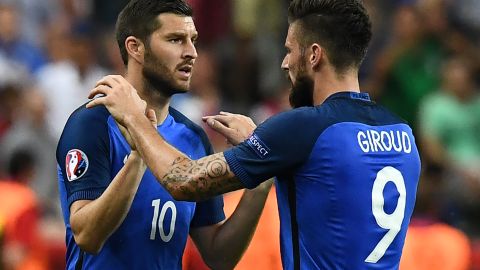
(341, 27)
(139, 19)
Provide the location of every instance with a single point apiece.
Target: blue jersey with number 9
(90, 153)
(347, 174)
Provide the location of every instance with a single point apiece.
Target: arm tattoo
(200, 179)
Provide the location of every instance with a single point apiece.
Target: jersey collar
(350, 95)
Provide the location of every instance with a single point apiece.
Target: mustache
(189, 62)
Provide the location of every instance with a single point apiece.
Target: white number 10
(392, 222)
(159, 220)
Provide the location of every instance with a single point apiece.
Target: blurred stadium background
(423, 63)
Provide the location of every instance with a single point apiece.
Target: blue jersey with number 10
(153, 235)
(347, 174)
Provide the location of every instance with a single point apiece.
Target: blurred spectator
(11, 43)
(23, 246)
(430, 243)
(11, 72)
(2, 230)
(10, 99)
(271, 105)
(450, 132)
(104, 13)
(408, 69)
(66, 83)
(30, 131)
(264, 23)
(35, 15)
(212, 19)
(465, 14)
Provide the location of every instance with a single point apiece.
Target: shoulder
(85, 123)
(294, 117)
(356, 110)
(88, 117)
(194, 128)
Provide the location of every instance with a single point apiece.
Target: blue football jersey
(347, 174)
(153, 235)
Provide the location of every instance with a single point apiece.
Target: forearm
(93, 222)
(183, 178)
(235, 234)
(232, 238)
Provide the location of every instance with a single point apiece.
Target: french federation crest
(76, 164)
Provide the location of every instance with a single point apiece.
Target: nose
(285, 63)
(190, 50)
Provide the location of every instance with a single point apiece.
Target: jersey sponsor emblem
(76, 164)
(258, 146)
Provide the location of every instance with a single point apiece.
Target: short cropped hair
(139, 19)
(341, 27)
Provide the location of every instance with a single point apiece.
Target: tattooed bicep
(202, 178)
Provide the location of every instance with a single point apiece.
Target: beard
(158, 77)
(301, 94)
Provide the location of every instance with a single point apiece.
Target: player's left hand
(235, 127)
(120, 98)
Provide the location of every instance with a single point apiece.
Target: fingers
(96, 102)
(218, 126)
(99, 89)
(239, 116)
(111, 80)
(152, 117)
(127, 136)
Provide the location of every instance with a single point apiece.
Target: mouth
(185, 71)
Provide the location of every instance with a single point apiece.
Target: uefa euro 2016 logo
(76, 164)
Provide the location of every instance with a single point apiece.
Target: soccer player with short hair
(116, 213)
(347, 169)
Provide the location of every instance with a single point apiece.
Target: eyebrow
(181, 34)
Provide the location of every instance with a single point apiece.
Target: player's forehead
(174, 23)
(292, 35)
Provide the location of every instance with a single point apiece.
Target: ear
(316, 55)
(135, 49)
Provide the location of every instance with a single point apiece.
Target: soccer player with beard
(347, 169)
(116, 213)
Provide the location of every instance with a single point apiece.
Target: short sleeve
(280, 144)
(83, 154)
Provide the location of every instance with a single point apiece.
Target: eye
(175, 40)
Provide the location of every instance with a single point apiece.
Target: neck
(329, 83)
(154, 98)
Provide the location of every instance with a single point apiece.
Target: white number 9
(392, 222)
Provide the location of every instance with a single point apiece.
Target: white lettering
(395, 147)
(406, 139)
(383, 135)
(376, 140)
(370, 141)
(363, 144)
(384, 141)
(258, 146)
